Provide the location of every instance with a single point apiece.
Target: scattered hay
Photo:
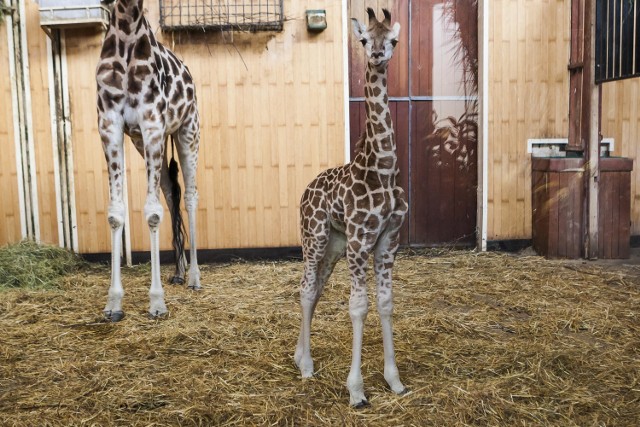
(31, 265)
(481, 339)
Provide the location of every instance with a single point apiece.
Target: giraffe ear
(358, 29)
(395, 31)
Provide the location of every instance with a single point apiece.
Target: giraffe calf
(357, 209)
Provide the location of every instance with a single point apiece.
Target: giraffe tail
(177, 224)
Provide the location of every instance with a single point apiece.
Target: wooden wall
(9, 201)
(41, 117)
(528, 87)
(529, 94)
(272, 110)
(621, 120)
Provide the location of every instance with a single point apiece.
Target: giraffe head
(379, 39)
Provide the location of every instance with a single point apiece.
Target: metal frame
(222, 15)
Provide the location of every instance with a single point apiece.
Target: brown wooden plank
(552, 200)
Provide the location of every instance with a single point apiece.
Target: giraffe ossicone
(357, 209)
(146, 92)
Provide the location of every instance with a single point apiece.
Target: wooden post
(591, 128)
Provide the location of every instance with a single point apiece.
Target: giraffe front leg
(112, 144)
(384, 257)
(153, 213)
(358, 307)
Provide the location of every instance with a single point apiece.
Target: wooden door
(433, 98)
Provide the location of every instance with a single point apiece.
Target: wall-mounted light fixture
(316, 20)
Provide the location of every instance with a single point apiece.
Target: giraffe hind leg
(187, 144)
(323, 248)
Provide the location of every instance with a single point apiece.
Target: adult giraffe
(357, 208)
(145, 91)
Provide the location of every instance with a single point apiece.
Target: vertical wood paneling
(90, 171)
(9, 199)
(528, 89)
(38, 68)
(621, 121)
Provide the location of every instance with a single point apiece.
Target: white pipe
(16, 123)
(345, 77)
(483, 178)
(55, 142)
(71, 192)
(26, 85)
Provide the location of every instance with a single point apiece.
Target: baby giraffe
(357, 209)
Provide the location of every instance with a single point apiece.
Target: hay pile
(481, 339)
(31, 265)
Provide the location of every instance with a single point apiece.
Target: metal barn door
(433, 82)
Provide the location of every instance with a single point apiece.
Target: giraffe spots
(109, 47)
(134, 86)
(114, 166)
(179, 92)
(190, 94)
(378, 128)
(114, 154)
(127, 58)
(369, 130)
(124, 26)
(152, 93)
(385, 99)
(386, 143)
(142, 48)
(141, 71)
(161, 105)
(135, 13)
(100, 105)
(376, 91)
(378, 108)
(362, 203)
(373, 78)
(387, 162)
(372, 222)
(186, 77)
(359, 189)
(167, 83)
(133, 102)
(384, 82)
(121, 48)
(110, 100)
(110, 75)
(387, 120)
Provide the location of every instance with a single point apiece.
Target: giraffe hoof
(113, 316)
(176, 280)
(195, 287)
(362, 404)
(403, 392)
(158, 315)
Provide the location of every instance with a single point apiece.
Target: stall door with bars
(433, 82)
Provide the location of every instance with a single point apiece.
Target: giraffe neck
(379, 140)
(127, 17)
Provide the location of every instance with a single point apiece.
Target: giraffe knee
(385, 303)
(153, 213)
(115, 215)
(358, 306)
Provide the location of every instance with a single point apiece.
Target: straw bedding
(481, 339)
